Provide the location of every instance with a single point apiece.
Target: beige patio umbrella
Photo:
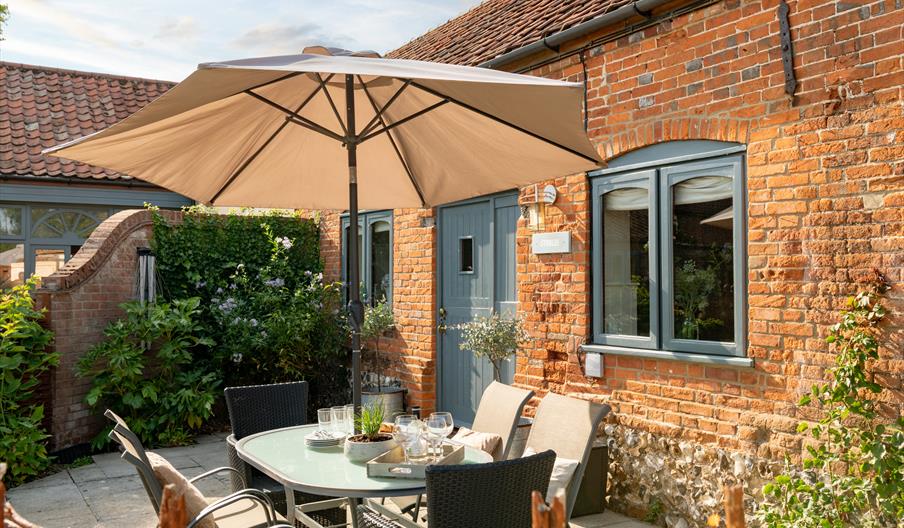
(290, 132)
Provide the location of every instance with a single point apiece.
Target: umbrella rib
(379, 113)
(404, 120)
(332, 104)
(504, 122)
(297, 119)
(379, 117)
(257, 152)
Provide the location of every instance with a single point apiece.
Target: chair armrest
(248, 494)
(238, 474)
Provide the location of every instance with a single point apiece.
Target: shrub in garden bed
(263, 298)
(23, 358)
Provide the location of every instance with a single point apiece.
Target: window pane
(466, 255)
(703, 259)
(11, 221)
(379, 261)
(12, 264)
(626, 262)
(47, 261)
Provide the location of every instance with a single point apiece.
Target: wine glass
(436, 427)
(404, 431)
(448, 426)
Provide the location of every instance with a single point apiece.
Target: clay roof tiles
(41, 107)
(496, 27)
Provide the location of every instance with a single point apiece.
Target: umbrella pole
(355, 308)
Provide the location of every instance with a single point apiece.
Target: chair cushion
(562, 472)
(488, 442)
(194, 499)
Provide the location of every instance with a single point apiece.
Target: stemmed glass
(439, 425)
(405, 432)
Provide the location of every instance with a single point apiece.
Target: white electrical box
(546, 243)
(593, 365)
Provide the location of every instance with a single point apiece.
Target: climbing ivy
(853, 471)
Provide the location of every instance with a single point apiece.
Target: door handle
(441, 326)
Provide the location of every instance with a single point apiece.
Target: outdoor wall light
(535, 211)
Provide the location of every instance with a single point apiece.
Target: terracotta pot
(364, 451)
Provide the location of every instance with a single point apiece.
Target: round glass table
(282, 455)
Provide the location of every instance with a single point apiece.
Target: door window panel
(374, 255)
(380, 261)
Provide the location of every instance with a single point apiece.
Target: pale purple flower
(285, 242)
(237, 357)
(276, 283)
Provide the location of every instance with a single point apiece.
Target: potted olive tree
(495, 338)
(377, 386)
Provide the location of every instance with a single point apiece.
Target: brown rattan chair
(497, 494)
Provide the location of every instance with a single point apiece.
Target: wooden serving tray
(392, 463)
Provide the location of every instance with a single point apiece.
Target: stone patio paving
(108, 493)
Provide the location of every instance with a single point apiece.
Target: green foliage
(495, 338)
(4, 17)
(145, 371)
(23, 358)
(263, 298)
(378, 321)
(369, 420)
(693, 288)
(853, 474)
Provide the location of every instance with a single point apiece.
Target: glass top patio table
(282, 455)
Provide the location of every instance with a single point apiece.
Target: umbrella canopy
(290, 132)
(240, 133)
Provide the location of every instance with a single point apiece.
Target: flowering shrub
(263, 298)
(495, 338)
(23, 359)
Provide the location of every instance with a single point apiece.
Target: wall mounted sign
(546, 243)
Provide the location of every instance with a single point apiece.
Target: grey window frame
(644, 179)
(365, 220)
(661, 175)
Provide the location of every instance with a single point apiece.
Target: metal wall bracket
(787, 49)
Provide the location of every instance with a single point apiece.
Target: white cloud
(168, 38)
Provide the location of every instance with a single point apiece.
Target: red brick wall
(82, 298)
(825, 182)
(825, 178)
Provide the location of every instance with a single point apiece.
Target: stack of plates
(324, 439)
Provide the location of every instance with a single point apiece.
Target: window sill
(707, 359)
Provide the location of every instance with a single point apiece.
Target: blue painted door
(477, 277)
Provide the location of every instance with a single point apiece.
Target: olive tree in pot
(371, 442)
(495, 338)
(378, 387)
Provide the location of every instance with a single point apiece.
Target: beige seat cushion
(243, 514)
(562, 473)
(194, 499)
(488, 442)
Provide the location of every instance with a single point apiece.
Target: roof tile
(496, 27)
(42, 107)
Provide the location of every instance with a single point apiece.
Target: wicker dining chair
(477, 495)
(257, 408)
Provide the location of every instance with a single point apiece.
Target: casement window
(375, 254)
(668, 254)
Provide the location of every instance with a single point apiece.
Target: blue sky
(166, 39)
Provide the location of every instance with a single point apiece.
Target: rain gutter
(552, 42)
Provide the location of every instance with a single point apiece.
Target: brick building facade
(824, 186)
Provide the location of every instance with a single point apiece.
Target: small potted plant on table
(377, 386)
(370, 442)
